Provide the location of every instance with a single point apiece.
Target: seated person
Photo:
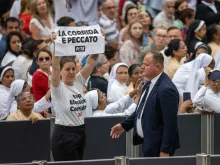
(97, 104)
(96, 79)
(208, 97)
(19, 86)
(25, 103)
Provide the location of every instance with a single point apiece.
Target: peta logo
(80, 49)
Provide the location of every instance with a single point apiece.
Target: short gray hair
(18, 98)
(100, 60)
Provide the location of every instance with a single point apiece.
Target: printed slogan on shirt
(78, 104)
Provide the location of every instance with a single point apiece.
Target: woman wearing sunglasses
(40, 81)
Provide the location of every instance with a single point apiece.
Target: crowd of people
(170, 47)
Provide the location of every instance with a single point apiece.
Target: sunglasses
(41, 59)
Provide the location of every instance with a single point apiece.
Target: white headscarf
(15, 90)
(112, 77)
(92, 99)
(202, 60)
(217, 60)
(3, 70)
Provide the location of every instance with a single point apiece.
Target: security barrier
(22, 141)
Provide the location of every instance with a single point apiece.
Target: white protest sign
(72, 41)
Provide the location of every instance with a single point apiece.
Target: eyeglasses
(110, 7)
(41, 59)
(161, 36)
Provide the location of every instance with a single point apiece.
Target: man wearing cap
(208, 96)
(166, 16)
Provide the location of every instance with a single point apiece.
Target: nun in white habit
(19, 86)
(182, 75)
(97, 105)
(117, 82)
(203, 60)
(6, 78)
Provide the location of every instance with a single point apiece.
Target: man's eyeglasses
(110, 7)
(41, 59)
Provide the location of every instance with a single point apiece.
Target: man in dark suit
(155, 118)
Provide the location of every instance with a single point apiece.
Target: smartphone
(186, 96)
(142, 8)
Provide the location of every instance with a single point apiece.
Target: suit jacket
(159, 119)
(204, 13)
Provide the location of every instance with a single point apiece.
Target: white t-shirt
(69, 102)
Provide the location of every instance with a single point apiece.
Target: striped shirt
(110, 27)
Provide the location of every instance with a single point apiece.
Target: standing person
(96, 79)
(25, 17)
(41, 22)
(195, 35)
(132, 47)
(146, 20)
(155, 119)
(6, 78)
(13, 42)
(11, 24)
(109, 24)
(40, 81)
(213, 38)
(135, 74)
(166, 16)
(159, 43)
(111, 55)
(68, 139)
(130, 16)
(209, 11)
(117, 82)
(177, 50)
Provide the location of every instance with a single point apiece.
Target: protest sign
(79, 40)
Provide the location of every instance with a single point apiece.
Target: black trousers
(68, 142)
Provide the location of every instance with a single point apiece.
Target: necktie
(143, 100)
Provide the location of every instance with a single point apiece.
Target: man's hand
(163, 154)
(116, 131)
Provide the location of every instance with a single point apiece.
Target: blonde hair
(25, 4)
(161, 26)
(34, 11)
(129, 30)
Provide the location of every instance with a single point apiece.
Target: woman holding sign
(68, 139)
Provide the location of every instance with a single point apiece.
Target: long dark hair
(8, 39)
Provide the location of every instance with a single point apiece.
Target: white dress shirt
(138, 124)
(207, 99)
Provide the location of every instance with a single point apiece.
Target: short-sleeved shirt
(69, 102)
